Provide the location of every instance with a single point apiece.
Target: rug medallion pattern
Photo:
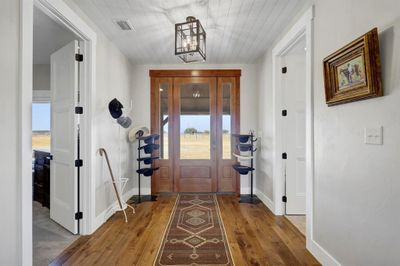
(195, 234)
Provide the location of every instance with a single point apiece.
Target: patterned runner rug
(195, 234)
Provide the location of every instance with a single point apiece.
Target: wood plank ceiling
(238, 31)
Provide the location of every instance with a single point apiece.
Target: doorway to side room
(55, 132)
(293, 89)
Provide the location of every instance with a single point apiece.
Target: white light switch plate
(373, 135)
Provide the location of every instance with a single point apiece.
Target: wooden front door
(195, 112)
(194, 136)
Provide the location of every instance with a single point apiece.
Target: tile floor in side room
(49, 238)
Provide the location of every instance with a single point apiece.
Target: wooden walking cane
(102, 152)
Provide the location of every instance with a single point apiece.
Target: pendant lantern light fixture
(190, 41)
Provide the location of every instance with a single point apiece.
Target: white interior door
(63, 179)
(294, 127)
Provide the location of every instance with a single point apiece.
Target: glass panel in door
(194, 138)
(226, 121)
(195, 121)
(162, 180)
(227, 117)
(164, 120)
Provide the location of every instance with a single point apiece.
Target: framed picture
(354, 72)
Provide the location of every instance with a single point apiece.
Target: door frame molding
(59, 11)
(303, 27)
(179, 73)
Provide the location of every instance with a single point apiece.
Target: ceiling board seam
(262, 28)
(273, 23)
(245, 24)
(223, 33)
(229, 44)
(216, 25)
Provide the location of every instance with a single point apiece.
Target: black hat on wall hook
(115, 108)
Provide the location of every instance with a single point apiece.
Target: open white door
(64, 127)
(294, 127)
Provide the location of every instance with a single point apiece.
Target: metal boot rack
(246, 144)
(147, 145)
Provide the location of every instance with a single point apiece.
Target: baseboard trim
(321, 254)
(267, 201)
(316, 250)
(114, 207)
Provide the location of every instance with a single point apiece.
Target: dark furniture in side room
(41, 178)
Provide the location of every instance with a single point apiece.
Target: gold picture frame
(353, 73)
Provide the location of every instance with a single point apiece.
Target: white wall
(248, 99)
(356, 185)
(357, 199)
(9, 203)
(264, 183)
(41, 77)
(112, 81)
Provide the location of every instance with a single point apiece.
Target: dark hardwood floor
(255, 235)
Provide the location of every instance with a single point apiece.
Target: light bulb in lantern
(188, 43)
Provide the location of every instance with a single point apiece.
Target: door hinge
(79, 57)
(284, 112)
(79, 110)
(284, 70)
(78, 215)
(284, 199)
(284, 155)
(78, 163)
